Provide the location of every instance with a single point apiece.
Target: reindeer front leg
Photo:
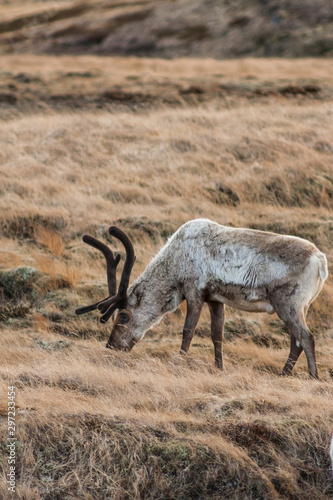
(217, 324)
(194, 308)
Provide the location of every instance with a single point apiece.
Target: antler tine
(111, 262)
(130, 258)
(111, 268)
(108, 306)
(109, 312)
(85, 309)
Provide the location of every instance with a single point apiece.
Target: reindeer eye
(123, 318)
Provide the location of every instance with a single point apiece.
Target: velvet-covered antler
(108, 306)
(116, 300)
(111, 269)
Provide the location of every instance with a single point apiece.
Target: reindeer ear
(137, 295)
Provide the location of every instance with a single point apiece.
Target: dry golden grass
(50, 240)
(119, 70)
(152, 424)
(247, 416)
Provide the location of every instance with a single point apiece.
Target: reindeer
(203, 261)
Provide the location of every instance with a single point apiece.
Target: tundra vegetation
(147, 145)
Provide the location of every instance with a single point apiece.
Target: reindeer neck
(154, 293)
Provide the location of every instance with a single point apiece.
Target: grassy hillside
(168, 28)
(148, 145)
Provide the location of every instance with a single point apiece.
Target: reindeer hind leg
(295, 351)
(300, 336)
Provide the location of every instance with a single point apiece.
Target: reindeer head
(122, 336)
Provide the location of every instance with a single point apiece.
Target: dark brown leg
(194, 309)
(295, 351)
(295, 323)
(217, 323)
(308, 344)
